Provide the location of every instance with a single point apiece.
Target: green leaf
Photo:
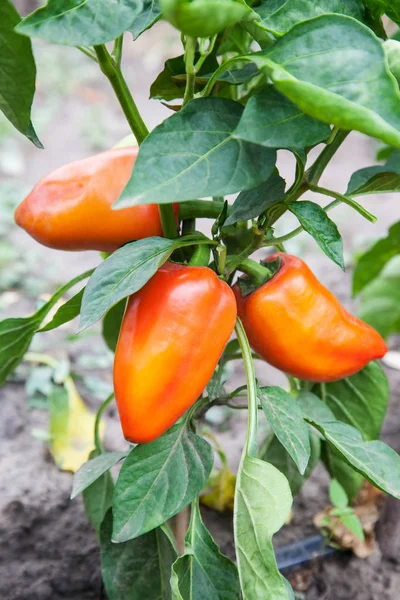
(93, 469)
(66, 312)
(16, 334)
(193, 154)
(97, 499)
(337, 494)
(262, 505)
(276, 454)
(112, 324)
(203, 572)
(372, 262)
(376, 461)
(203, 18)
(347, 84)
(148, 15)
(353, 524)
(17, 73)
(360, 400)
(380, 305)
(139, 569)
(377, 179)
(81, 22)
(278, 16)
(271, 120)
(15, 338)
(252, 203)
(284, 415)
(158, 480)
(316, 222)
(123, 273)
(169, 85)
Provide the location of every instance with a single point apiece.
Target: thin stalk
(168, 222)
(88, 52)
(113, 73)
(190, 49)
(202, 209)
(117, 50)
(252, 422)
(205, 53)
(97, 440)
(346, 200)
(252, 247)
(118, 83)
(315, 171)
(258, 272)
(213, 79)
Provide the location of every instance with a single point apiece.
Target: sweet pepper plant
(252, 79)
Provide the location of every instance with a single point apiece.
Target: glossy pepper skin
(297, 325)
(173, 333)
(71, 208)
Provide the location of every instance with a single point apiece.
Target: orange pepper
(71, 208)
(173, 333)
(298, 326)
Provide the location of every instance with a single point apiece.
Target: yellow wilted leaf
(221, 490)
(71, 427)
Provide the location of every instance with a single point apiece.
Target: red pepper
(173, 333)
(297, 325)
(71, 208)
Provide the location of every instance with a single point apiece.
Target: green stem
(190, 49)
(255, 244)
(205, 53)
(118, 83)
(97, 441)
(346, 200)
(315, 171)
(256, 271)
(213, 79)
(117, 50)
(87, 52)
(200, 209)
(168, 222)
(252, 423)
(113, 73)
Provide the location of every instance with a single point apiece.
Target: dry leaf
(71, 431)
(367, 508)
(221, 491)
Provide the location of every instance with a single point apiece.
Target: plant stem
(211, 82)
(346, 200)
(205, 53)
(168, 221)
(117, 50)
(252, 423)
(190, 49)
(118, 83)
(87, 52)
(200, 209)
(315, 171)
(258, 272)
(113, 73)
(97, 441)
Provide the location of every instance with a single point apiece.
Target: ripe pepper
(173, 333)
(71, 208)
(297, 325)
